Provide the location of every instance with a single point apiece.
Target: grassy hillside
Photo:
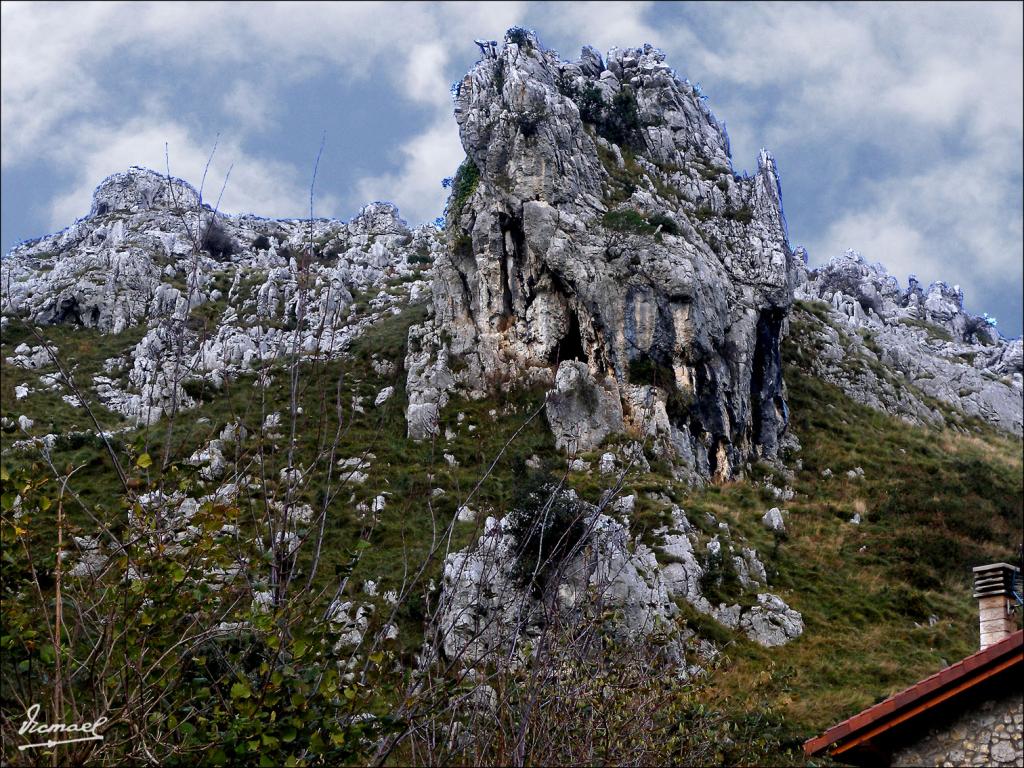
(885, 603)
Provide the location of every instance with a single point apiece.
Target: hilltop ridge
(604, 420)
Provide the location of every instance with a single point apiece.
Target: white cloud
(249, 105)
(858, 71)
(948, 222)
(256, 185)
(914, 111)
(602, 25)
(416, 187)
(56, 98)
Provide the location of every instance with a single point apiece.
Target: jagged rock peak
(139, 189)
(875, 290)
(380, 218)
(929, 347)
(597, 223)
(149, 254)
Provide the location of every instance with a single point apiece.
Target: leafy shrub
(548, 526)
(627, 220)
(217, 242)
(591, 104)
(631, 220)
(421, 258)
(618, 122)
(210, 675)
(520, 37)
(743, 215)
(704, 212)
(463, 184)
(664, 221)
(261, 243)
(720, 583)
(528, 121)
(197, 389)
(622, 124)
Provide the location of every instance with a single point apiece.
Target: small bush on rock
(627, 220)
(666, 223)
(217, 242)
(548, 527)
(520, 37)
(463, 184)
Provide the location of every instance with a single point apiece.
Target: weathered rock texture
(485, 610)
(219, 294)
(640, 269)
(906, 351)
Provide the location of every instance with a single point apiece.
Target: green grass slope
(885, 603)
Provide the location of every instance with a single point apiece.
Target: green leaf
(46, 654)
(288, 734)
(144, 461)
(299, 648)
(240, 691)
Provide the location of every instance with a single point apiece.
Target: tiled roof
(920, 697)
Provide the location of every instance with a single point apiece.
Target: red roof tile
(906, 704)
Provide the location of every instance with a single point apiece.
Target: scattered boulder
(773, 520)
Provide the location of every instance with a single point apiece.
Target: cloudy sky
(897, 128)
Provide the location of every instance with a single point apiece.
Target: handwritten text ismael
(75, 731)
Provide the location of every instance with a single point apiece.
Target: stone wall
(990, 732)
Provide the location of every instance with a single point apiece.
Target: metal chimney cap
(994, 566)
(994, 580)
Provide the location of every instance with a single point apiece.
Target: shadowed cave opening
(570, 346)
(769, 408)
(513, 242)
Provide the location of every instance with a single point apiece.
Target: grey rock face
(771, 622)
(581, 411)
(643, 259)
(893, 348)
(773, 520)
(150, 253)
(484, 610)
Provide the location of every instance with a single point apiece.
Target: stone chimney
(993, 586)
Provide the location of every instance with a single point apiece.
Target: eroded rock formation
(600, 242)
(919, 345)
(220, 295)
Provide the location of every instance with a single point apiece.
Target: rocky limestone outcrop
(486, 610)
(220, 295)
(901, 349)
(598, 239)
